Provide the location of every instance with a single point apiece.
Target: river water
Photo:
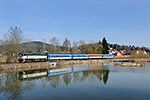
(102, 81)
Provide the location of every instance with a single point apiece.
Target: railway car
(107, 56)
(56, 56)
(24, 57)
(94, 56)
(79, 56)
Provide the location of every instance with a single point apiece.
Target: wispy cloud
(45, 35)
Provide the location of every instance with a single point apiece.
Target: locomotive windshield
(20, 54)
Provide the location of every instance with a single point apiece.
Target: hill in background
(38, 46)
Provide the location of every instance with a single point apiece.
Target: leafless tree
(29, 46)
(82, 46)
(92, 47)
(75, 46)
(55, 42)
(66, 45)
(11, 43)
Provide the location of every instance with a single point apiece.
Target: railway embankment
(15, 67)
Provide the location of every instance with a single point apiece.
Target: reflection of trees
(43, 82)
(54, 81)
(92, 76)
(105, 76)
(12, 88)
(76, 76)
(67, 78)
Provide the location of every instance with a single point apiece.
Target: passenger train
(24, 57)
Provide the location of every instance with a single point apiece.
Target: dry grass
(2, 59)
(134, 55)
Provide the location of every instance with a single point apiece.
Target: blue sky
(120, 21)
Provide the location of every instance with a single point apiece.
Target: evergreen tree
(105, 46)
(99, 42)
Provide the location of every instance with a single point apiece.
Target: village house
(141, 52)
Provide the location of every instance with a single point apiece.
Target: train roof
(32, 53)
(68, 53)
(79, 54)
(59, 53)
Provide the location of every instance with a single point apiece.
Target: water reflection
(80, 73)
(14, 85)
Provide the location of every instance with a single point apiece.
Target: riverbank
(42, 65)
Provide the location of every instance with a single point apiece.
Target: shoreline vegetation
(15, 67)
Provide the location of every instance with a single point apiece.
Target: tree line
(128, 48)
(14, 42)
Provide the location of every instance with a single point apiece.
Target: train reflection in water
(31, 74)
(71, 69)
(38, 73)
